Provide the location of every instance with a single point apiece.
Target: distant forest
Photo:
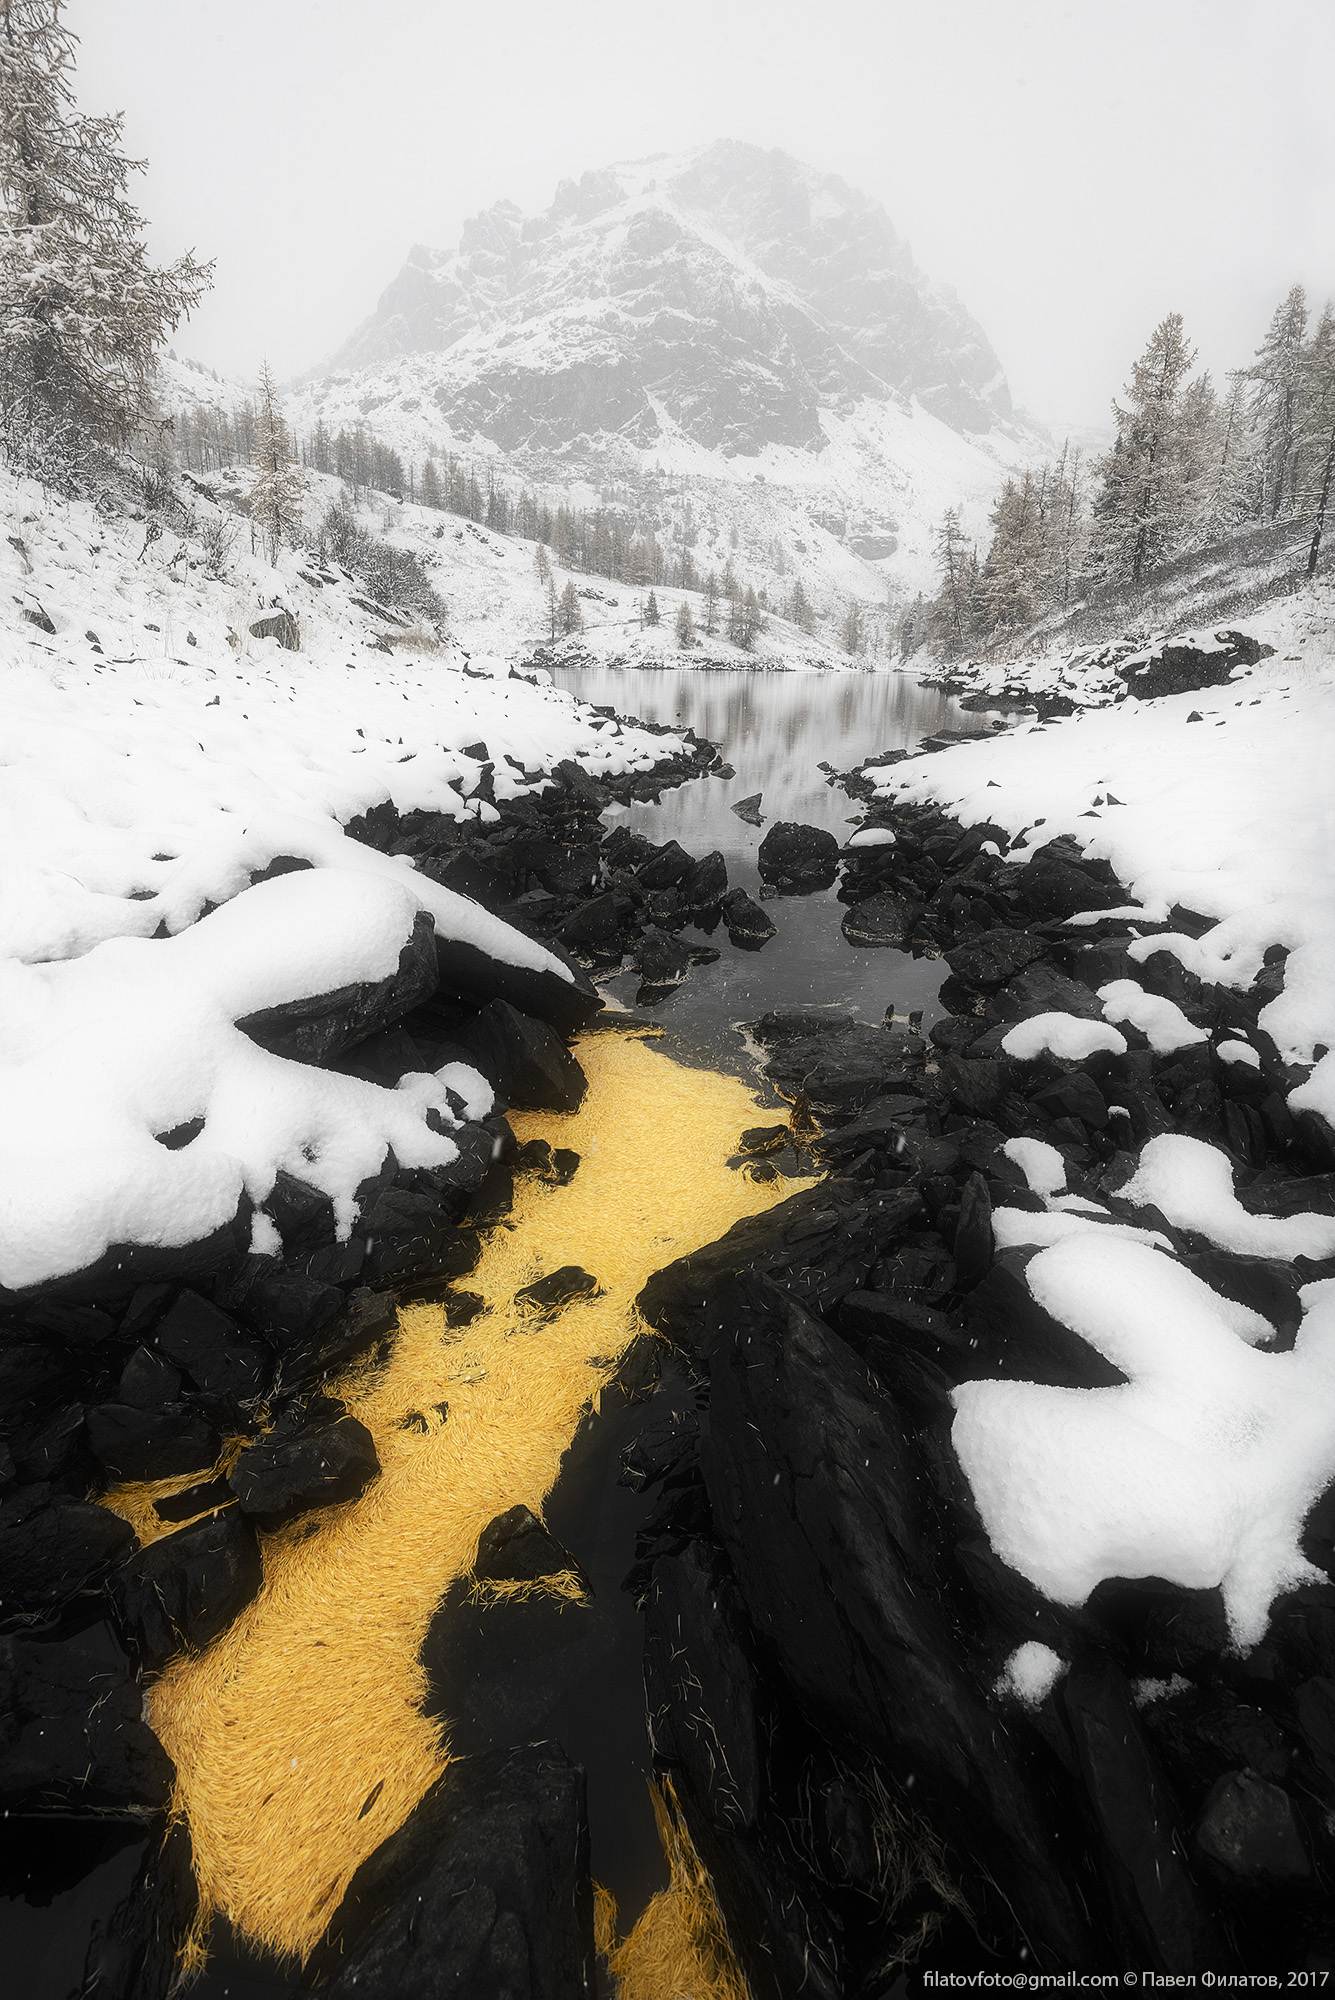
(1188, 466)
(599, 541)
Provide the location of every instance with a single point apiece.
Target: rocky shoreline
(828, 1631)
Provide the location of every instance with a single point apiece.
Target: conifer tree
(1278, 376)
(1143, 507)
(572, 618)
(799, 610)
(276, 488)
(685, 625)
(82, 311)
(711, 603)
(542, 564)
(431, 493)
(1318, 431)
(952, 610)
(854, 635)
(652, 614)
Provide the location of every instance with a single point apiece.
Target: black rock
(149, 1381)
(523, 1059)
(818, 1494)
(594, 929)
(483, 1892)
(1314, 1710)
(745, 922)
(1041, 989)
(195, 1500)
(669, 865)
(884, 919)
(185, 1589)
(994, 956)
(72, 1733)
(52, 1547)
(662, 961)
(764, 1139)
(211, 1349)
(411, 1235)
(1073, 1096)
(134, 1953)
(659, 1450)
(1019, 1340)
(516, 1548)
(703, 890)
(782, 1026)
(1248, 1832)
(1151, 1891)
(701, 1687)
(749, 809)
(132, 1443)
(284, 1476)
(561, 994)
(548, 1295)
(973, 1246)
(818, 1244)
(1180, 665)
(316, 1027)
(1161, 1628)
(1203, 1733)
(797, 859)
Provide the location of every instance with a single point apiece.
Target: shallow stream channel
(307, 1732)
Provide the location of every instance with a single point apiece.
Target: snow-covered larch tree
(277, 489)
(82, 311)
(1144, 504)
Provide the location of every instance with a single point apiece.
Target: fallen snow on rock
(104, 1054)
(1068, 1036)
(1191, 1184)
(1230, 817)
(1031, 1673)
(1161, 1021)
(1200, 1468)
(1042, 1165)
(1013, 1228)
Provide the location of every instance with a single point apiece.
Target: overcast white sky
(1074, 170)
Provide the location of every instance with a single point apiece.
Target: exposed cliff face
(727, 297)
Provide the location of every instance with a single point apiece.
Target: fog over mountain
(731, 293)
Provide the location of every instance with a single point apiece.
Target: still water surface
(775, 730)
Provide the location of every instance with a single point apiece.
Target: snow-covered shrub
(391, 575)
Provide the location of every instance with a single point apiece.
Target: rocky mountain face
(727, 297)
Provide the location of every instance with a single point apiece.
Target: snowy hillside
(726, 327)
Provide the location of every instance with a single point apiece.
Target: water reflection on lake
(775, 730)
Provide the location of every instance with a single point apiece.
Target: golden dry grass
(310, 1704)
(678, 1949)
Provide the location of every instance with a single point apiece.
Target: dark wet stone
(1179, 665)
(972, 1247)
(52, 1547)
(1314, 1710)
(195, 1500)
(314, 1028)
(667, 866)
(745, 922)
(134, 1953)
(595, 930)
(818, 1493)
(701, 1687)
(797, 859)
(184, 1590)
(994, 956)
(523, 1059)
(483, 1891)
(210, 1347)
(819, 1244)
(764, 1139)
(1019, 1340)
(1141, 1866)
(318, 1465)
(1202, 1733)
(468, 972)
(132, 1443)
(72, 1733)
(659, 1450)
(1073, 1096)
(884, 919)
(516, 1548)
(149, 1381)
(749, 809)
(1248, 1831)
(548, 1295)
(662, 961)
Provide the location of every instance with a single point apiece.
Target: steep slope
(688, 327)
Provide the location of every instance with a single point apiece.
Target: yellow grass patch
(299, 1739)
(679, 1948)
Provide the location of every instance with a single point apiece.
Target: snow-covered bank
(1216, 803)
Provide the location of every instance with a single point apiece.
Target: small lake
(775, 730)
